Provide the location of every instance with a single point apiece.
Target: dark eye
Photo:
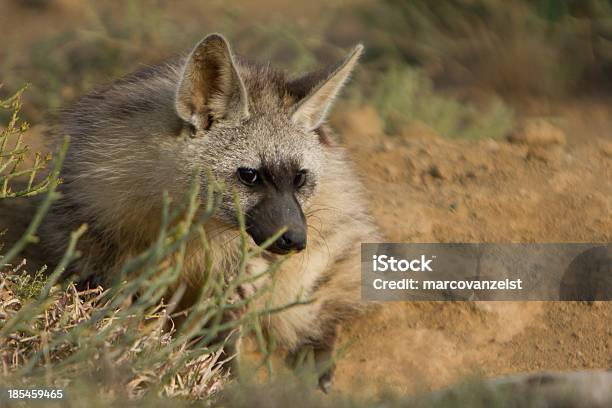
(300, 179)
(250, 177)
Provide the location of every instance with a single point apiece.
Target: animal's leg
(323, 349)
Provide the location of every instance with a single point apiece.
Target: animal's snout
(274, 213)
(292, 240)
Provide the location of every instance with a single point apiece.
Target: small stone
(537, 132)
(438, 172)
(491, 145)
(549, 155)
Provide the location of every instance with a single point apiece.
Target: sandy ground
(427, 189)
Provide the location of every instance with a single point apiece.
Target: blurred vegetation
(537, 47)
(405, 95)
(421, 55)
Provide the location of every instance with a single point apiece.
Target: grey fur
(139, 136)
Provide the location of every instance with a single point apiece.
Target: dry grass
(117, 342)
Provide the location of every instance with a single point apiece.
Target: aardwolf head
(260, 134)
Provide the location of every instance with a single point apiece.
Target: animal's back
(116, 168)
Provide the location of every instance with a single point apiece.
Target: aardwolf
(259, 132)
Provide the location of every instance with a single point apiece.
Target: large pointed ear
(210, 88)
(318, 90)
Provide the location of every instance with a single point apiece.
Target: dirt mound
(427, 189)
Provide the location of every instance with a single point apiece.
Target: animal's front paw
(326, 379)
(302, 361)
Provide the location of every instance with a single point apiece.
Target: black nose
(294, 239)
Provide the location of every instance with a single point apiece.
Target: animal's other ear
(318, 90)
(210, 88)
